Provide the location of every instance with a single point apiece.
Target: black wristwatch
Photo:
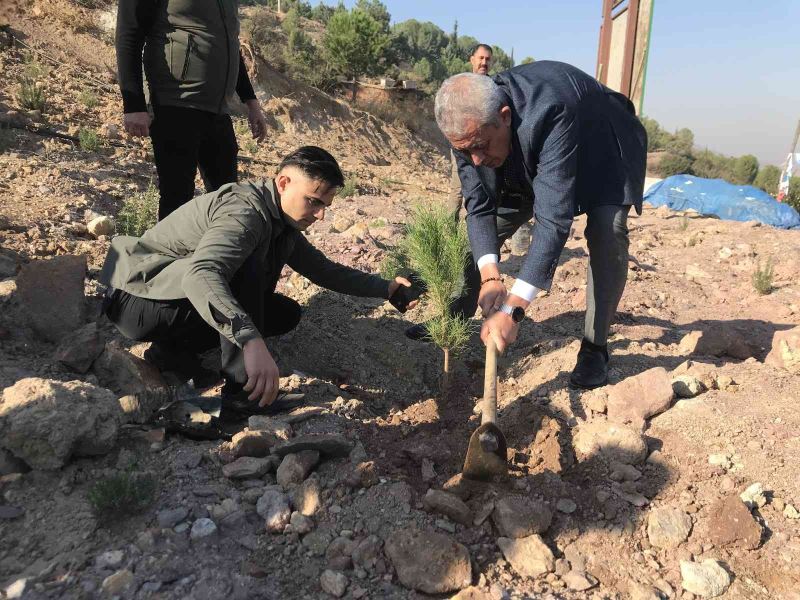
(517, 313)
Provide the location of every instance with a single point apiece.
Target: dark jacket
(195, 252)
(578, 145)
(191, 54)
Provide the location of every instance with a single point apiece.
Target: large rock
(448, 505)
(668, 527)
(529, 556)
(429, 562)
(295, 467)
(707, 579)
(276, 429)
(636, 399)
(306, 497)
(611, 441)
(80, 350)
(785, 352)
(124, 373)
(251, 443)
(51, 292)
(518, 516)
(332, 445)
(45, 422)
(333, 583)
(716, 341)
(731, 524)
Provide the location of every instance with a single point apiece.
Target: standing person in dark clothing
(191, 58)
(206, 274)
(549, 140)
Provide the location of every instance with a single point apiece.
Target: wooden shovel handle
(489, 409)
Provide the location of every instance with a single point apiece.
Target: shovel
(487, 451)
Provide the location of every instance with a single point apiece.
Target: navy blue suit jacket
(581, 146)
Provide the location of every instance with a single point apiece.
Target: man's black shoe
(418, 332)
(591, 370)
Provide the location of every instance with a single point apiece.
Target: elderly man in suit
(548, 140)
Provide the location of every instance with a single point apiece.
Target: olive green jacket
(191, 53)
(195, 252)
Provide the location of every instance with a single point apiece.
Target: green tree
(377, 10)
(675, 164)
(301, 55)
(527, 60)
(322, 13)
(768, 178)
(681, 143)
(424, 39)
(654, 134)
(500, 60)
(745, 169)
(356, 45)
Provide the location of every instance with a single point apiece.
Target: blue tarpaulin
(722, 199)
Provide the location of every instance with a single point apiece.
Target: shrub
(762, 278)
(349, 188)
(88, 99)
(89, 140)
(139, 212)
(122, 494)
(31, 94)
(675, 164)
(244, 136)
(768, 178)
(745, 169)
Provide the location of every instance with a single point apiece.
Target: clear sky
(729, 70)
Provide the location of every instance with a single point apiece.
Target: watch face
(518, 314)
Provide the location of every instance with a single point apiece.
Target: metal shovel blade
(486, 454)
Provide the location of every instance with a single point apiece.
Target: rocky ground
(678, 480)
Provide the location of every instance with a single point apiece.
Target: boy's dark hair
(315, 162)
(486, 47)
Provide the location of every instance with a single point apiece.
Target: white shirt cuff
(524, 290)
(487, 259)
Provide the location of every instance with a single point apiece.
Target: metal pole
(647, 57)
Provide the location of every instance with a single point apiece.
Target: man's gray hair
(467, 98)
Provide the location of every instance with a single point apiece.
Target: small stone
(7, 513)
(203, 529)
(641, 591)
(300, 523)
(785, 351)
(109, 560)
(637, 398)
(252, 443)
(341, 224)
(16, 589)
(273, 507)
(427, 562)
(276, 429)
(448, 505)
(115, 584)
(484, 512)
(720, 460)
(363, 475)
(247, 467)
(305, 498)
(622, 472)
(295, 467)
(731, 524)
(579, 581)
(668, 527)
(707, 579)
(169, 518)
(754, 496)
(78, 351)
(333, 583)
(529, 556)
(518, 516)
(446, 525)
(686, 386)
(101, 226)
(566, 505)
(428, 472)
(616, 442)
(790, 512)
(367, 552)
(332, 445)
